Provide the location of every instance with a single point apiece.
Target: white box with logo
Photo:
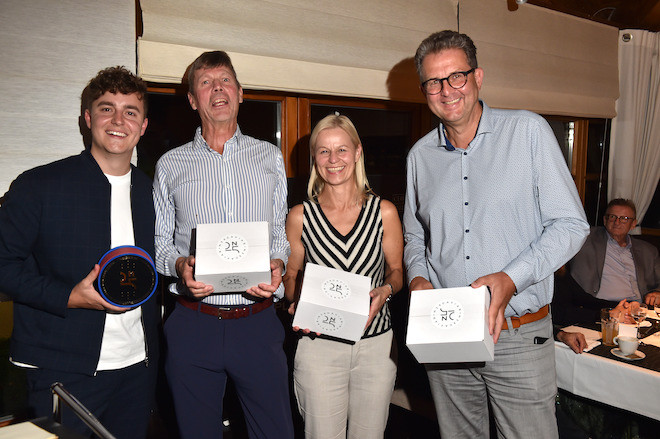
(450, 325)
(232, 256)
(333, 302)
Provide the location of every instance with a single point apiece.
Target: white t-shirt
(123, 337)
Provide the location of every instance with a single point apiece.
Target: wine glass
(638, 314)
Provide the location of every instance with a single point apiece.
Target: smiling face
(335, 156)
(216, 96)
(117, 121)
(457, 108)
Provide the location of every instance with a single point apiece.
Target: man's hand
(184, 269)
(83, 295)
(419, 283)
(264, 291)
(652, 298)
(573, 340)
(501, 290)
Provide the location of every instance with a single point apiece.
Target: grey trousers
(344, 390)
(520, 384)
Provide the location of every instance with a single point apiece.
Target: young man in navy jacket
(55, 224)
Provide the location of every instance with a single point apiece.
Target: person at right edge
(489, 201)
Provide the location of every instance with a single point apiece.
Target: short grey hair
(446, 39)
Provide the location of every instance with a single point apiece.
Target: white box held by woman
(450, 325)
(232, 256)
(333, 302)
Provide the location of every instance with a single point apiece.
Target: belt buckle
(220, 310)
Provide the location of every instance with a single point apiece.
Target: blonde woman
(344, 389)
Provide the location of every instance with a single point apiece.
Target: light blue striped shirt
(194, 185)
(506, 203)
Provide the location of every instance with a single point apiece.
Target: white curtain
(634, 165)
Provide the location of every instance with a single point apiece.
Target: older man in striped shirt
(222, 176)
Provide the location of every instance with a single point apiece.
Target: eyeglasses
(622, 219)
(433, 86)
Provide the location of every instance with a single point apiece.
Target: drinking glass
(638, 314)
(609, 324)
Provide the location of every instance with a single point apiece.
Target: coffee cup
(627, 345)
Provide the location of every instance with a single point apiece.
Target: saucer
(637, 355)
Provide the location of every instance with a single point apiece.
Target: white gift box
(450, 325)
(333, 302)
(232, 256)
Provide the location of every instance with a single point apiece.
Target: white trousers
(520, 385)
(344, 388)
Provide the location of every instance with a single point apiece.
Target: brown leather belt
(517, 322)
(223, 312)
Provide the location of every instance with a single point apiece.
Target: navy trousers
(202, 351)
(121, 399)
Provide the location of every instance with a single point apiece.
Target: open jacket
(54, 226)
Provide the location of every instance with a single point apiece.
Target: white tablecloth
(612, 382)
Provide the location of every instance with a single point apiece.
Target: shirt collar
(200, 142)
(613, 241)
(485, 126)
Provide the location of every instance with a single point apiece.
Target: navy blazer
(54, 226)
(587, 266)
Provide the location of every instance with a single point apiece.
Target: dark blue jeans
(121, 399)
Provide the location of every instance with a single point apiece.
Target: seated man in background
(611, 267)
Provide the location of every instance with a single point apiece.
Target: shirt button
(467, 230)
(465, 153)
(467, 257)
(465, 178)
(466, 203)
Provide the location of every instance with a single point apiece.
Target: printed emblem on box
(336, 289)
(232, 247)
(329, 321)
(446, 314)
(230, 283)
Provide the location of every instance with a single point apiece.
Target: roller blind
(534, 58)
(49, 51)
(543, 60)
(344, 47)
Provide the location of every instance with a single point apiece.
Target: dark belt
(223, 312)
(517, 322)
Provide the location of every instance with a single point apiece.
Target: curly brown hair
(114, 80)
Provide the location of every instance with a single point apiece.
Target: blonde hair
(316, 183)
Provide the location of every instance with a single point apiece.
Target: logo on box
(232, 247)
(336, 289)
(234, 282)
(329, 321)
(446, 314)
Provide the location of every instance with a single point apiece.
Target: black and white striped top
(359, 252)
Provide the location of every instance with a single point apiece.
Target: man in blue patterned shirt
(489, 201)
(222, 176)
